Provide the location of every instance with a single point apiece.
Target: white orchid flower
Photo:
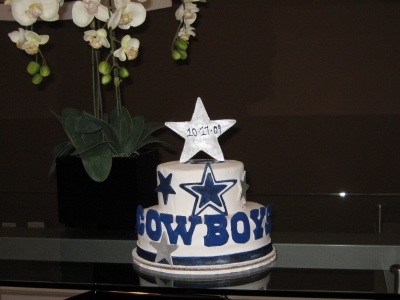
(127, 14)
(26, 12)
(96, 38)
(185, 32)
(187, 13)
(129, 49)
(83, 12)
(18, 37)
(32, 42)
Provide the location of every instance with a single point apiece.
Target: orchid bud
(45, 70)
(37, 78)
(104, 67)
(181, 44)
(183, 54)
(123, 72)
(176, 55)
(106, 79)
(33, 67)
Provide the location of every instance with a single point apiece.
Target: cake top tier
(201, 133)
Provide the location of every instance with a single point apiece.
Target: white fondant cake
(202, 223)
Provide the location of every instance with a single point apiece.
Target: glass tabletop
(92, 260)
(124, 278)
(337, 253)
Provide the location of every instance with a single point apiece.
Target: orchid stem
(117, 80)
(96, 88)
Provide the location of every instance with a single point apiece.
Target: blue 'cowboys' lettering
(217, 226)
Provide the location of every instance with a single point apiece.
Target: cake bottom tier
(201, 270)
(214, 244)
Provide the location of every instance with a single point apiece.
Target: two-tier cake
(203, 223)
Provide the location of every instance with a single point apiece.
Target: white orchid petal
(88, 34)
(125, 40)
(124, 27)
(114, 19)
(80, 16)
(133, 43)
(43, 39)
(105, 42)
(102, 32)
(14, 36)
(191, 20)
(138, 13)
(179, 13)
(18, 37)
(18, 11)
(31, 36)
(50, 10)
(102, 13)
(120, 54)
(56, 18)
(121, 4)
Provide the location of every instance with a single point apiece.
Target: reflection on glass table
(331, 251)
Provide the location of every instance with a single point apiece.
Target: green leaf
(107, 130)
(59, 119)
(124, 113)
(149, 128)
(98, 162)
(62, 149)
(134, 136)
(86, 127)
(121, 128)
(149, 140)
(81, 131)
(69, 124)
(85, 148)
(67, 112)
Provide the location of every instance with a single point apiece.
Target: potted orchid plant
(97, 137)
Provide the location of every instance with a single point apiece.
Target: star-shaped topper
(201, 134)
(208, 192)
(164, 249)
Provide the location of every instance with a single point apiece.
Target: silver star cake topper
(201, 134)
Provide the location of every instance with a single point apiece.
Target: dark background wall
(313, 85)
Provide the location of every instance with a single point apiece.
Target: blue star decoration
(208, 192)
(201, 133)
(165, 186)
(164, 250)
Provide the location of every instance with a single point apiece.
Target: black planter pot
(84, 203)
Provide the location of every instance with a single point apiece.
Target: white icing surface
(182, 202)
